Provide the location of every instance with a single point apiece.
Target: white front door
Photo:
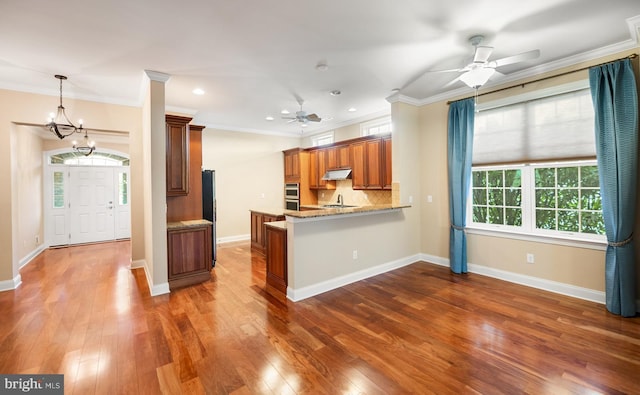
(91, 204)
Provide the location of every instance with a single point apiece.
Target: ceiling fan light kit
(477, 77)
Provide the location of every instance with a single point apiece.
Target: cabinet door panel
(374, 171)
(177, 140)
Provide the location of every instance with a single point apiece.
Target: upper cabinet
(292, 165)
(370, 164)
(317, 168)
(386, 161)
(177, 155)
(339, 157)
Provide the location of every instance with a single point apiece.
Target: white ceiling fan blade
(448, 84)
(482, 54)
(516, 58)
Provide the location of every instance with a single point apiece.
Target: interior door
(91, 204)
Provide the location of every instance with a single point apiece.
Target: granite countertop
(194, 223)
(319, 211)
(276, 212)
(277, 224)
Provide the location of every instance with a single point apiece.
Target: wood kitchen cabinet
(276, 257)
(366, 165)
(292, 165)
(258, 236)
(177, 141)
(338, 157)
(386, 162)
(317, 169)
(189, 252)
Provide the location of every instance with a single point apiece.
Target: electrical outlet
(37, 239)
(355, 254)
(530, 258)
(429, 198)
(410, 199)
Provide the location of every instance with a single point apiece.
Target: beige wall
(248, 166)
(581, 267)
(21, 156)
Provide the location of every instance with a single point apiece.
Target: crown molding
(157, 76)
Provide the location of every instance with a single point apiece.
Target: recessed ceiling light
(198, 91)
(322, 66)
(269, 118)
(284, 112)
(352, 109)
(335, 92)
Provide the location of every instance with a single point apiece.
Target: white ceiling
(253, 58)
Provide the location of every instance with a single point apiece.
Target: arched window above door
(96, 159)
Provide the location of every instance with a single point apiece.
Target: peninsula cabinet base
(189, 252)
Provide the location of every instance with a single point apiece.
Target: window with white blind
(534, 169)
(553, 128)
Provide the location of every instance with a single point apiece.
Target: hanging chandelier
(87, 147)
(60, 125)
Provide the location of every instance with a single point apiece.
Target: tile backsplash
(353, 197)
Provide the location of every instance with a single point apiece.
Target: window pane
(591, 200)
(589, 176)
(568, 198)
(479, 214)
(58, 189)
(495, 197)
(545, 177)
(480, 196)
(546, 219)
(546, 198)
(568, 220)
(496, 216)
(123, 190)
(495, 178)
(512, 197)
(512, 178)
(567, 176)
(513, 216)
(592, 223)
(479, 178)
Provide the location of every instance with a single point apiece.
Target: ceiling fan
(478, 72)
(302, 116)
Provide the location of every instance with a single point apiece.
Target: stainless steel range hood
(341, 174)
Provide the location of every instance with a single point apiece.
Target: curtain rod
(632, 56)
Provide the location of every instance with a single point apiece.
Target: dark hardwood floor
(82, 312)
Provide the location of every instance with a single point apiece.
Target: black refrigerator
(209, 205)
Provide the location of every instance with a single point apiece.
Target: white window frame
(528, 230)
(323, 139)
(372, 127)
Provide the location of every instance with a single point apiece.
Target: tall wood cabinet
(276, 257)
(177, 136)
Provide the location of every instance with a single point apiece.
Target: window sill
(600, 245)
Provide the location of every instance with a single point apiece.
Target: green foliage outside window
(568, 199)
(497, 197)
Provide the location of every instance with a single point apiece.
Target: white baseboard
(9, 285)
(29, 257)
(154, 290)
(328, 285)
(534, 282)
(231, 239)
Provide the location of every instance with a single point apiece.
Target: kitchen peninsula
(327, 248)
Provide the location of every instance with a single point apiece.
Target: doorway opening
(86, 198)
